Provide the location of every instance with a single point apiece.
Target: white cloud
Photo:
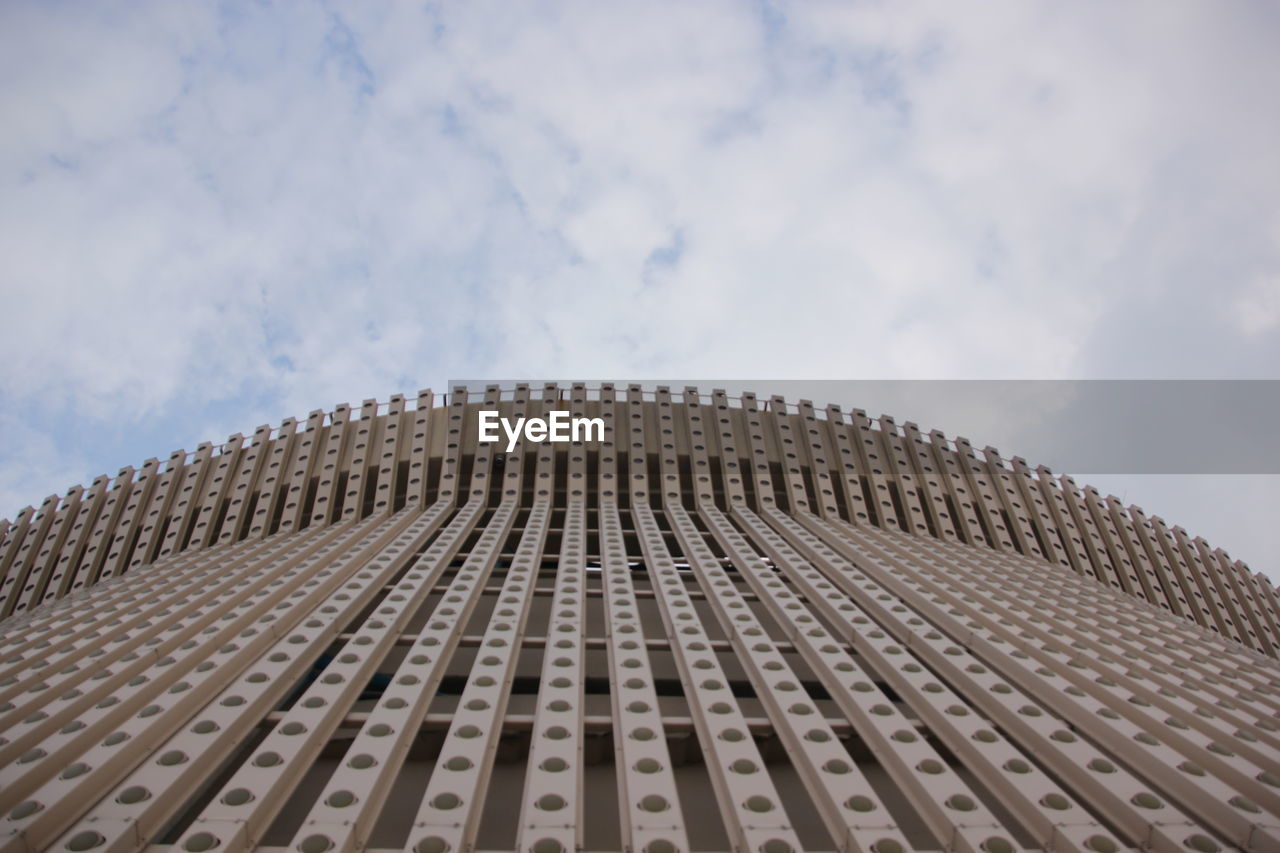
(1257, 306)
(211, 216)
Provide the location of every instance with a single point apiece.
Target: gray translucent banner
(1075, 426)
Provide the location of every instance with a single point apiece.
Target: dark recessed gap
(197, 802)
(303, 797)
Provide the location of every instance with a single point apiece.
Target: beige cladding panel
(734, 624)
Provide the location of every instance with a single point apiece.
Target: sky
(218, 215)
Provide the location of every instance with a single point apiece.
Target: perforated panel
(733, 624)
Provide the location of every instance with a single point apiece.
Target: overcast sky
(215, 216)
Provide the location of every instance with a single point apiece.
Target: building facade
(731, 624)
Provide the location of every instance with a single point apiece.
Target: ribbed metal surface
(731, 625)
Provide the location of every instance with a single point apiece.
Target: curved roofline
(353, 462)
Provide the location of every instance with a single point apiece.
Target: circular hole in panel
(201, 841)
(653, 803)
(237, 797)
(315, 844)
(267, 759)
(860, 804)
(551, 802)
(1146, 800)
(446, 801)
(1055, 801)
(25, 810)
(85, 840)
(341, 799)
(1244, 804)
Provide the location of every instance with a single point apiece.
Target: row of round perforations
(20, 587)
(850, 807)
(975, 472)
(1183, 679)
(1241, 605)
(86, 698)
(953, 812)
(1171, 564)
(871, 465)
(52, 661)
(449, 814)
(1163, 594)
(347, 584)
(1229, 661)
(817, 457)
(902, 658)
(278, 455)
(1006, 696)
(160, 497)
(754, 814)
(759, 454)
(729, 459)
(551, 811)
(1117, 557)
(347, 468)
(965, 515)
(653, 821)
(1234, 693)
(362, 447)
(1003, 485)
(891, 451)
(59, 582)
(15, 533)
(184, 502)
(48, 628)
(1068, 547)
(387, 462)
(237, 499)
(302, 464)
(214, 488)
(243, 807)
(842, 794)
(853, 808)
(933, 497)
(1043, 521)
(325, 506)
(161, 695)
(352, 799)
(1127, 688)
(416, 488)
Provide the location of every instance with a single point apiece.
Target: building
(730, 625)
